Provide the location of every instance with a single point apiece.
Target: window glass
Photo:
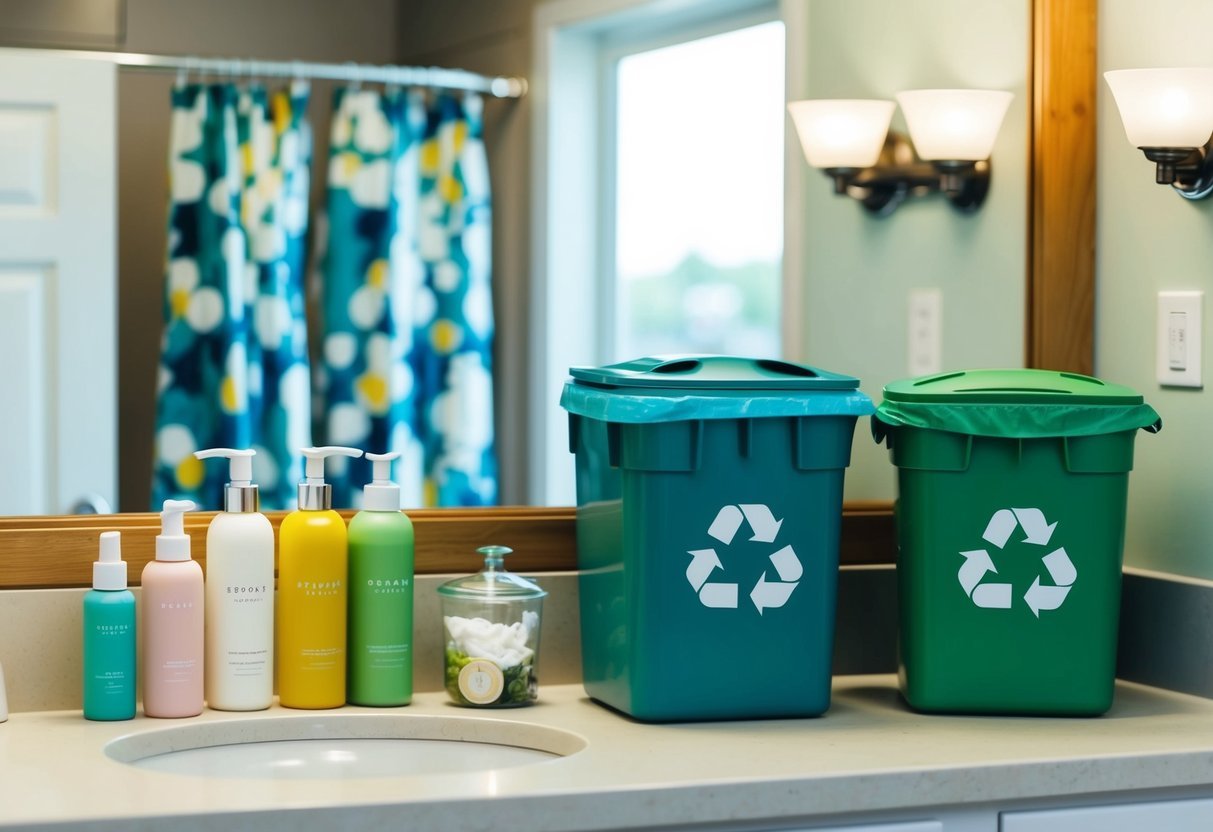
(699, 195)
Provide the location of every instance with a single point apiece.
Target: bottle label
(245, 593)
(111, 630)
(250, 663)
(481, 682)
(319, 589)
(388, 586)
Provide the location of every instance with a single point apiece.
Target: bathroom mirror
(1060, 186)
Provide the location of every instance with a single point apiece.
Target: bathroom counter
(868, 754)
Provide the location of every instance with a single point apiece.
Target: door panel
(57, 282)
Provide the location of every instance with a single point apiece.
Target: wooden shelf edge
(56, 552)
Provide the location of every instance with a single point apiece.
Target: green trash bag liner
(656, 405)
(1015, 421)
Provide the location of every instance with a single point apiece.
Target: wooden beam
(1061, 279)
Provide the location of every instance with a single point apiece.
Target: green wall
(1150, 240)
(859, 270)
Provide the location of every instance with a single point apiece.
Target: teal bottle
(109, 637)
(381, 595)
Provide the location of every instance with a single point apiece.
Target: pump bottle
(239, 594)
(381, 594)
(109, 637)
(312, 582)
(172, 621)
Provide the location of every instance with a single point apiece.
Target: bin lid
(714, 372)
(1017, 403)
(1011, 387)
(676, 388)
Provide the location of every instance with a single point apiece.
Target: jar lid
(493, 581)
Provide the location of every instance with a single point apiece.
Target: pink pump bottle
(172, 625)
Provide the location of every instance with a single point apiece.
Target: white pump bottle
(239, 594)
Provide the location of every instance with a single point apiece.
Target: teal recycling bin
(709, 497)
(1012, 488)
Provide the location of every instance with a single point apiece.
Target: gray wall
(859, 270)
(1149, 240)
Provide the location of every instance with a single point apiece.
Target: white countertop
(868, 753)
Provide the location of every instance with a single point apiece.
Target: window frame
(572, 311)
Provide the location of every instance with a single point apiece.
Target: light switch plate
(1177, 362)
(925, 347)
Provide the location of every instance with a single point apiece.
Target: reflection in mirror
(833, 256)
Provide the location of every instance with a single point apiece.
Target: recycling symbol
(765, 594)
(1038, 532)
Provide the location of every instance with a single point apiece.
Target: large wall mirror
(1057, 192)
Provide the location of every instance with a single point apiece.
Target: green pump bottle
(380, 594)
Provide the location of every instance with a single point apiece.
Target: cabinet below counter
(869, 760)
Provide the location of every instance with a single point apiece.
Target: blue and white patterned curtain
(234, 366)
(408, 320)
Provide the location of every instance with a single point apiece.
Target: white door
(58, 342)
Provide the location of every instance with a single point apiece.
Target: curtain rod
(499, 86)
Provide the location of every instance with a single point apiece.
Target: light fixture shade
(1164, 107)
(842, 133)
(954, 125)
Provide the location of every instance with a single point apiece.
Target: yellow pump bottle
(311, 610)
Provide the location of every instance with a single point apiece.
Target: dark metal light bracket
(1189, 170)
(899, 175)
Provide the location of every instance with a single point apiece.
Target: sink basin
(343, 746)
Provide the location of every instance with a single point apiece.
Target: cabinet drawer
(1160, 816)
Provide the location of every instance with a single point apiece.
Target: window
(658, 218)
(698, 195)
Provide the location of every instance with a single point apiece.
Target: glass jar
(490, 626)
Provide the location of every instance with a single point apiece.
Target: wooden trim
(45, 552)
(1060, 293)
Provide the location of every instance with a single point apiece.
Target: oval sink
(343, 746)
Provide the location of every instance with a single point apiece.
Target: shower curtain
(408, 322)
(234, 364)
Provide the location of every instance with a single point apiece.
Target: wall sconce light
(1168, 114)
(951, 135)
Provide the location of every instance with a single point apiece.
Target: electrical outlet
(1177, 362)
(925, 348)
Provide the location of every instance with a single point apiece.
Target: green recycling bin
(709, 496)
(1012, 487)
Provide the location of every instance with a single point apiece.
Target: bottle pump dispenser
(172, 624)
(381, 594)
(109, 637)
(381, 493)
(240, 494)
(314, 493)
(312, 599)
(173, 544)
(239, 594)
